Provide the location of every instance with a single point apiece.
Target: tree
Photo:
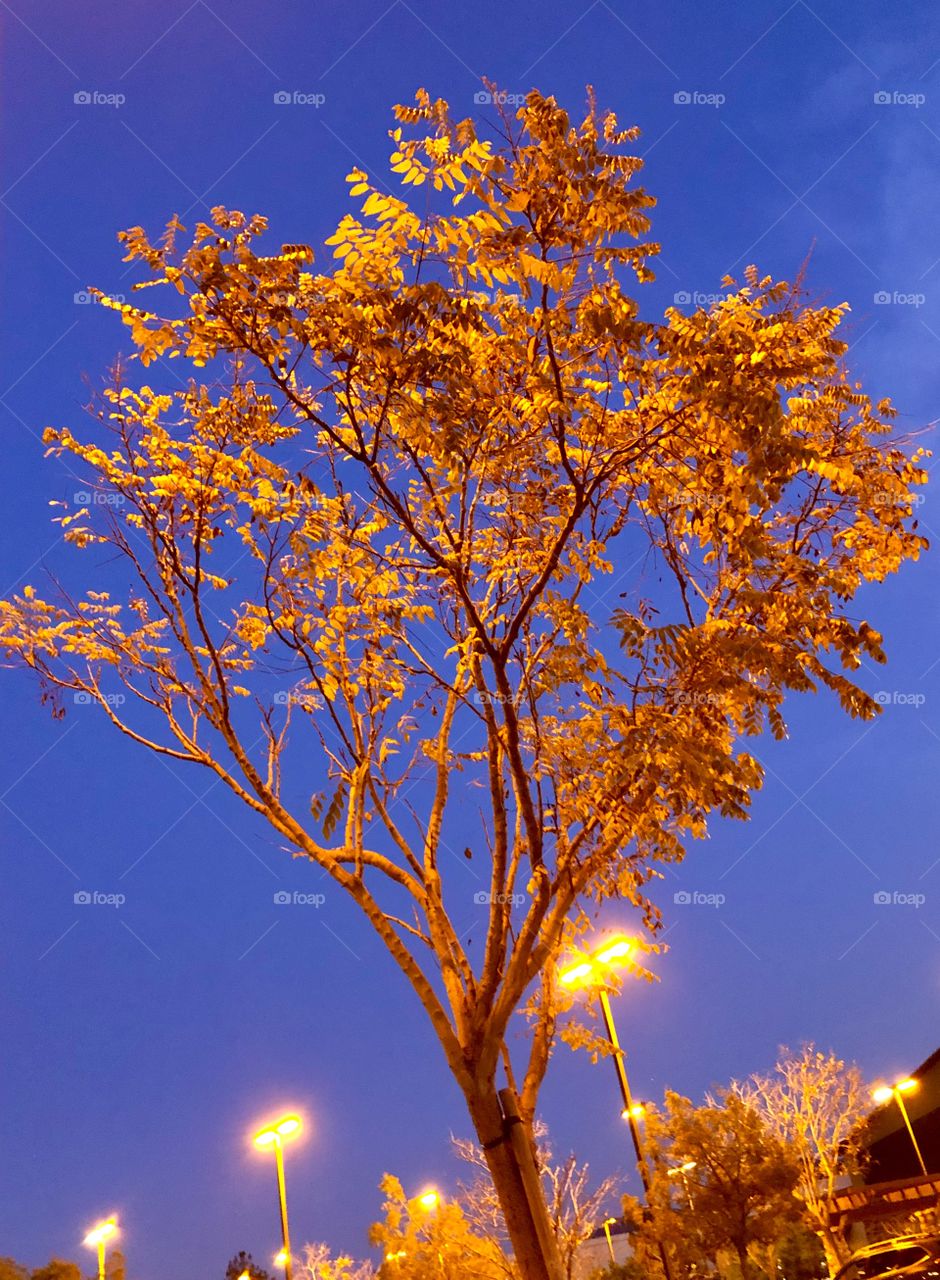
(319, 1264)
(115, 1267)
(58, 1269)
(734, 1190)
(241, 1263)
(10, 1269)
(397, 482)
(575, 1205)
(816, 1104)
(420, 1243)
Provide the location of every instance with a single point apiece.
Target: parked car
(906, 1257)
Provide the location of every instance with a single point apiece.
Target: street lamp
(884, 1093)
(608, 1223)
(273, 1136)
(680, 1171)
(98, 1238)
(592, 973)
(430, 1199)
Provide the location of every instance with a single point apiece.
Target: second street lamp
(98, 1238)
(273, 1136)
(896, 1091)
(592, 973)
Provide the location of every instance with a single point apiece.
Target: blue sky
(141, 1042)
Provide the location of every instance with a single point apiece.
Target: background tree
(576, 1205)
(115, 1266)
(397, 483)
(241, 1263)
(816, 1104)
(10, 1269)
(432, 1244)
(58, 1269)
(736, 1195)
(318, 1263)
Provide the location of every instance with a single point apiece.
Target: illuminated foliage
(412, 481)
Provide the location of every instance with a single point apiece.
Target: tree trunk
(537, 1257)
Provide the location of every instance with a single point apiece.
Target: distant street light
(681, 1171)
(592, 973)
(884, 1093)
(429, 1199)
(273, 1136)
(608, 1223)
(98, 1238)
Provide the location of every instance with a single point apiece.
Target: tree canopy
(384, 515)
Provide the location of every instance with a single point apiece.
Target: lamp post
(273, 1136)
(608, 1222)
(680, 1171)
(98, 1238)
(591, 973)
(896, 1091)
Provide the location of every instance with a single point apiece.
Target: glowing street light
(430, 1199)
(608, 1223)
(592, 973)
(273, 1136)
(682, 1171)
(884, 1093)
(98, 1238)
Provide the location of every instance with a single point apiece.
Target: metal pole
(101, 1260)
(620, 1067)
(910, 1129)
(610, 1243)
(282, 1197)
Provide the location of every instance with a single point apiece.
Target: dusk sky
(141, 1043)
